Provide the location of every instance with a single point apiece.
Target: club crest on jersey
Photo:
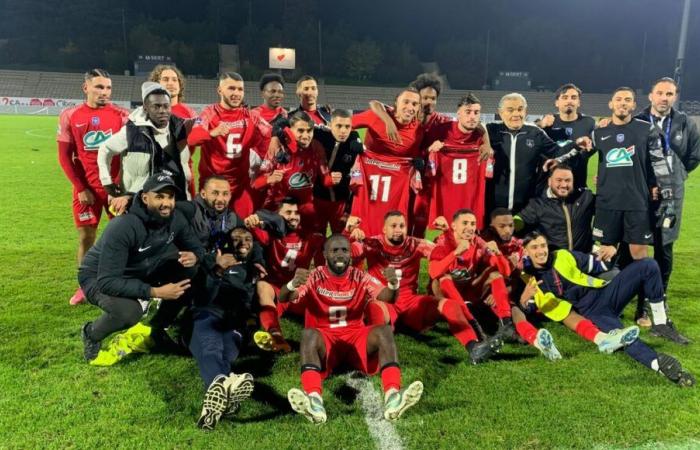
(678, 137)
(355, 173)
(620, 138)
(95, 120)
(530, 142)
(347, 158)
(620, 157)
(93, 139)
(299, 180)
(569, 131)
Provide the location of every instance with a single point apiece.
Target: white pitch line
(32, 134)
(382, 431)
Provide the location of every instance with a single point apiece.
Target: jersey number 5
(234, 148)
(386, 187)
(337, 316)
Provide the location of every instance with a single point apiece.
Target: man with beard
(295, 169)
(569, 125)
(272, 92)
(81, 130)
(395, 249)
(565, 280)
(222, 304)
(287, 246)
(153, 140)
(307, 93)
(149, 253)
(385, 174)
(233, 141)
(335, 297)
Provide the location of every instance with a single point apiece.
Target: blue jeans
(213, 345)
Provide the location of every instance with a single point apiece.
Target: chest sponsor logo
(620, 138)
(336, 295)
(93, 139)
(299, 180)
(620, 157)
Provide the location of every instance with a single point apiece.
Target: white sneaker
(544, 342)
(309, 406)
(618, 338)
(396, 402)
(239, 388)
(214, 405)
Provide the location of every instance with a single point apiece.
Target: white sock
(658, 313)
(655, 365)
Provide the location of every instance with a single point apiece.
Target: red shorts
(349, 346)
(475, 289)
(417, 312)
(295, 309)
(89, 215)
(420, 211)
(329, 212)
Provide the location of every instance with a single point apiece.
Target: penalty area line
(32, 133)
(382, 431)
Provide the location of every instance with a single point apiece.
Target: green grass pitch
(50, 398)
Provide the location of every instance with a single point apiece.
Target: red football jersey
(284, 255)
(229, 155)
(306, 167)
(435, 119)
(405, 258)
(458, 178)
(508, 249)
(315, 116)
(269, 114)
(87, 128)
(474, 260)
(377, 141)
(381, 184)
(183, 111)
(333, 301)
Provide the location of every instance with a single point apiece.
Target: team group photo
(315, 239)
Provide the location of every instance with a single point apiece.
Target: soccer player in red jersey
(335, 297)
(296, 168)
(172, 79)
(272, 91)
(307, 92)
(287, 246)
(231, 137)
(394, 248)
(463, 266)
(81, 130)
(456, 169)
(384, 173)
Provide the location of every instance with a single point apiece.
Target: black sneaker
(668, 331)
(478, 330)
(90, 348)
(482, 351)
(671, 368)
(214, 405)
(506, 330)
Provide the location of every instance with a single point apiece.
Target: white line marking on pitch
(32, 134)
(382, 431)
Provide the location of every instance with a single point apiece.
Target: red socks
(500, 294)
(391, 377)
(269, 319)
(311, 381)
(587, 330)
(527, 331)
(453, 313)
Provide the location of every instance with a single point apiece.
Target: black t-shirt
(342, 162)
(562, 131)
(624, 169)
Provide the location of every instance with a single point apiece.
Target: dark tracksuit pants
(604, 306)
(120, 313)
(214, 344)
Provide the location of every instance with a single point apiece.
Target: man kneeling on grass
(335, 297)
(562, 280)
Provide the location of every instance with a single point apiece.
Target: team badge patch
(347, 158)
(620, 138)
(678, 137)
(95, 120)
(355, 173)
(569, 131)
(530, 143)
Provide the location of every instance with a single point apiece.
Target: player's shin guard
(457, 322)
(587, 330)
(527, 331)
(500, 295)
(391, 376)
(311, 379)
(269, 318)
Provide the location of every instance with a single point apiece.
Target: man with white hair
(520, 149)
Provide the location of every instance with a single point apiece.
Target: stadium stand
(203, 91)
